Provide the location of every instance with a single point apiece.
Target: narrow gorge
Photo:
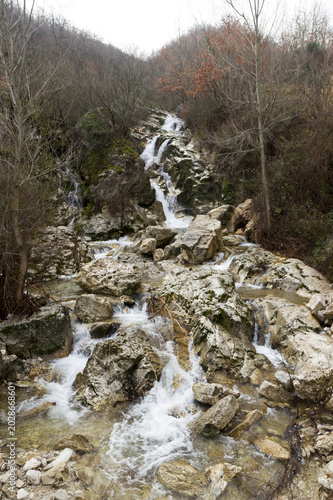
(172, 357)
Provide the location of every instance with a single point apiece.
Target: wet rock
(181, 477)
(219, 476)
(42, 409)
(162, 235)
(119, 369)
(207, 393)
(109, 277)
(10, 365)
(102, 330)
(274, 392)
(148, 245)
(271, 448)
(201, 240)
(46, 333)
(251, 418)
(76, 442)
(217, 417)
(90, 308)
(325, 477)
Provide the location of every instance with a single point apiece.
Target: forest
(259, 104)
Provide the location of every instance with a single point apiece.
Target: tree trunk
(22, 248)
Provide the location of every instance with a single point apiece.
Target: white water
(274, 356)
(153, 156)
(156, 429)
(113, 247)
(73, 197)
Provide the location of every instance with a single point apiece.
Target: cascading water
(152, 155)
(73, 196)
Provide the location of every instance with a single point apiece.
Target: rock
(102, 330)
(148, 245)
(110, 277)
(62, 458)
(201, 240)
(221, 322)
(33, 463)
(271, 448)
(219, 476)
(34, 477)
(10, 365)
(22, 493)
(325, 478)
(119, 369)
(324, 444)
(42, 409)
(316, 303)
(232, 240)
(46, 333)
(76, 442)
(91, 308)
(158, 255)
(207, 393)
(251, 418)
(328, 312)
(274, 392)
(217, 417)
(162, 235)
(225, 214)
(181, 477)
(285, 379)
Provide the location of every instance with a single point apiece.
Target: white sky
(147, 25)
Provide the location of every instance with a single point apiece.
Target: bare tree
(25, 76)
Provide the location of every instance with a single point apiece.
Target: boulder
(201, 240)
(76, 442)
(217, 417)
(181, 477)
(46, 333)
(219, 476)
(162, 235)
(271, 448)
(110, 277)
(148, 245)
(91, 308)
(103, 330)
(119, 370)
(251, 418)
(225, 214)
(274, 392)
(297, 333)
(207, 393)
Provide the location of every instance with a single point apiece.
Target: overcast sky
(147, 25)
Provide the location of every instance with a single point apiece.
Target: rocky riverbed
(179, 363)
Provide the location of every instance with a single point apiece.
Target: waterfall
(152, 155)
(73, 196)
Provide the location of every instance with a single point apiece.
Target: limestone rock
(119, 369)
(207, 393)
(42, 409)
(162, 235)
(316, 303)
(90, 308)
(158, 255)
(219, 476)
(45, 333)
(181, 477)
(271, 448)
(217, 417)
(251, 418)
(103, 330)
(324, 444)
(225, 214)
(274, 392)
(148, 245)
(110, 277)
(201, 240)
(325, 478)
(34, 477)
(76, 442)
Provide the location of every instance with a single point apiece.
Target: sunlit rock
(217, 417)
(181, 477)
(119, 369)
(201, 240)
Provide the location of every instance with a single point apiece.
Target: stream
(133, 439)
